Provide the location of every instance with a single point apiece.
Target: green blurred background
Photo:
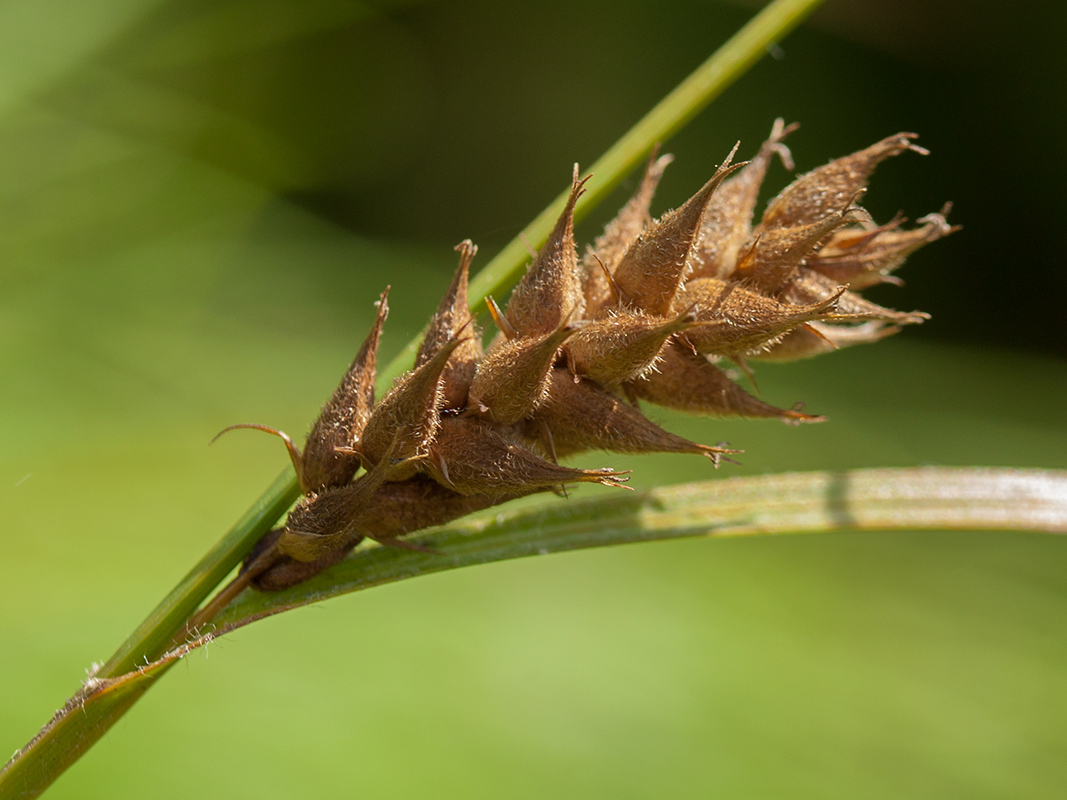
(200, 202)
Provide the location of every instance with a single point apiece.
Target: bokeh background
(199, 202)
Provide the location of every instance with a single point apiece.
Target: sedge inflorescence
(647, 314)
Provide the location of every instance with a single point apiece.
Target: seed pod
(727, 222)
(377, 510)
(471, 458)
(773, 257)
(649, 272)
(512, 379)
(453, 316)
(581, 416)
(405, 421)
(627, 225)
(340, 423)
(737, 321)
(395, 510)
(344, 416)
(868, 256)
(421, 502)
(285, 571)
(331, 521)
(823, 191)
(815, 338)
(689, 382)
(551, 291)
(622, 346)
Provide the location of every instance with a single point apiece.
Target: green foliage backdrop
(201, 201)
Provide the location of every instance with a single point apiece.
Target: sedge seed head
(647, 315)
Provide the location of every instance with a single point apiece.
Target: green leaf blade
(924, 498)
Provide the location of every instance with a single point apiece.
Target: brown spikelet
(320, 466)
(406, 420)
(471, 458)
(551, 291)
(284, 571)
(727, 222)
(602, 258)
(867, 256)
(344, 416)
(830, 188)
(512, 379)
(453, 316)
(623, 345)
(643, 318)
(773, 257)
(735, 320)
(650, 271)
(689, 382)
(395, 509)
(582, 416)
(331, 521)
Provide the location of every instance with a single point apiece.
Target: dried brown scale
(773, 257)
(406, 420)
(622, 346)
(285, 571)
(812, 287)
(848, 256)
(402, 508)
(550, 292)
(627, 225)
(395, 510)
(832, 186)
(650, 271)
(340, 423)
(383, 511)
(452, 319)
(345, 415)
(689, 382)
(815, 339)
(512, 379)
(582, 416)
(471, 458)
(868, 257)
(581, 344)
(738, 321)
(326, 522)
(327, 513)
(727, 221)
